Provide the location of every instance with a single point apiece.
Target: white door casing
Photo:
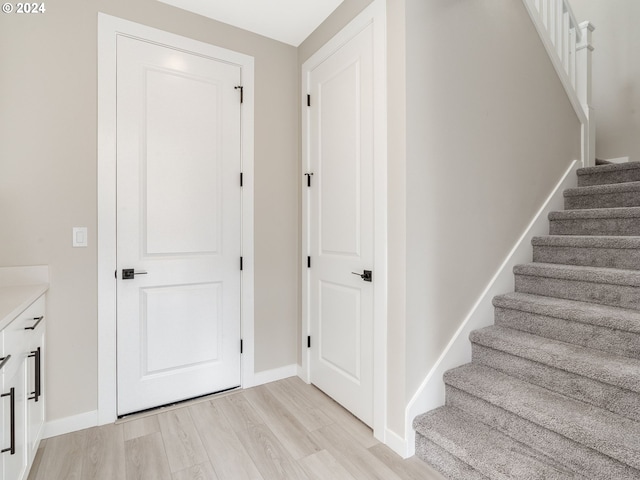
(109, 30)
(178, 224)
(344, 217)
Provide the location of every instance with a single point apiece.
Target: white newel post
(583, 88)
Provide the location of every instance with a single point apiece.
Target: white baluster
(564, 56)
(572, 57)
(545, 13)
(583, 89)
(558, 26)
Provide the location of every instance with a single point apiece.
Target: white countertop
(19, 288)
(16, 299)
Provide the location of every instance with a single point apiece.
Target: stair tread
(608, 433)
(623, 372)
(612, 167)
(607, 188)
(587, 241)
(445, 462)
(588, 213)
(582, 273)
(485, 449)
(583, 312)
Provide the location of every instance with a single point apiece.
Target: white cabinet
(22, 394)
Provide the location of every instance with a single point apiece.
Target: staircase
(553, 389)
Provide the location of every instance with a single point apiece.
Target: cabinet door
(3, 427)
(35, 390)
(14, 432)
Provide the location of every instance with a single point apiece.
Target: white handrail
(569, 46)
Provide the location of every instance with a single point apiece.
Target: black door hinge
(241, 179)
(308, 175)
(309, 341)
(240, 263)
(308, 100)
(308, 262)
(241, 88)
(241, 346)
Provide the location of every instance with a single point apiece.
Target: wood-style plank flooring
(279, 431)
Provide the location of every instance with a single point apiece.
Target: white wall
(616, 74)
(48, 158)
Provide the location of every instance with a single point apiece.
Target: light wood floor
(283, 430)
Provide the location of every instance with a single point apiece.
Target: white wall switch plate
(79, 236)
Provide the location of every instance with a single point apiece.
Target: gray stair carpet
(553, 388)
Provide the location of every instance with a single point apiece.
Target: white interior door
(341, 225)
(178, 220)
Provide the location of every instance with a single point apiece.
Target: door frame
(374, 14)
(109, 28)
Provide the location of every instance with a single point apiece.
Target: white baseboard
(430, 394)
(70, 424)
(273, 375)
(302, 373)
(396, 443)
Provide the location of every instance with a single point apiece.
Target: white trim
(395, 442)
(108, 29)
(374, 14)
(430, 394)
(273, 375)
(70, 424)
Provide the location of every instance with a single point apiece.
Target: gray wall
(489, 132)
(48, 132)
(616, 74)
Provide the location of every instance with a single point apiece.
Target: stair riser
(585, 335)
(596, 226)
(604, 178)
(443, 461)
(603, 200)
(624, 258)
(605, 294)
(580, 458)
(599, 394)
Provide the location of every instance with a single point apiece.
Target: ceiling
(289, 21)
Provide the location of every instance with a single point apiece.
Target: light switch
(79, 236)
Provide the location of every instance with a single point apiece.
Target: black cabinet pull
(38, 377)
(4, 360)
(12, 396)
(38, 320)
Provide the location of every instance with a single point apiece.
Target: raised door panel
(182, 180)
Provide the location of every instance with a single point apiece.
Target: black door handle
(366, 275)
(129, 273)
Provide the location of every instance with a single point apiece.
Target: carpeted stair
(553, 389)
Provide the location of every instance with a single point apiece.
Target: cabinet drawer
(16, 336)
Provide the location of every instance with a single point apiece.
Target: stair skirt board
(431, 392)
(553, 387)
